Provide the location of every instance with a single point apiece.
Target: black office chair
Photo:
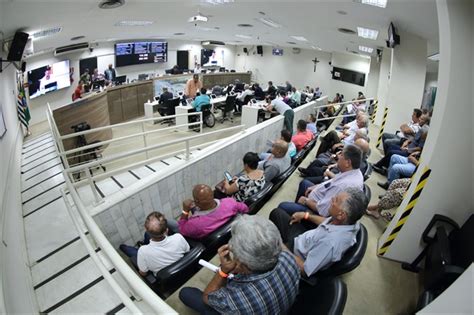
(256, 201)
(349, 261)
(216, 239)
(368, 171)
(227, 108)
(328, 297)
(169, 279)
(169, 108)
(367, 192)
(280, 179)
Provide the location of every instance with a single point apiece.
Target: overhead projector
(198, 18)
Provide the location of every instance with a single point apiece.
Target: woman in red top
(78, 91)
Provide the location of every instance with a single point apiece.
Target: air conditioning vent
(212, 42)
(111, 4)
(71, 49)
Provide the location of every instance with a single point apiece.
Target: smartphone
(228, 177)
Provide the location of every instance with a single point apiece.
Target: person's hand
(188, 204)
(302, 200)
(227, 264)
(328, 173)
(297, 217)
(309, 190)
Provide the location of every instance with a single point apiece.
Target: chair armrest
(436, 219)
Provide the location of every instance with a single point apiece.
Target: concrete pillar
(448, 151)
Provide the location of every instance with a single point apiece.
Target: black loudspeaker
(260, 50)
(23, 66)
(17, 47)
(246, 50)
(182, 58)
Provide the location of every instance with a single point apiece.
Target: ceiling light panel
(217, 2)
(434, 57)
(46, 33)
(269, 22)
(300, 38)
(375, 3)
(366, 49)
(133, 23)
(243, 36)
(367, 33)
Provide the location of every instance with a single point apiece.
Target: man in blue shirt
(201, 99)
(317, 248)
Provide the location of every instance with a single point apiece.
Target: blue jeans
(292, 207)
(304, 184)
(399, 167)
(192, 297)
(132, 251)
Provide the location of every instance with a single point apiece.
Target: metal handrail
(134, 122)
(345, 103)
(138, 285)
(126, 300)
(141, 150)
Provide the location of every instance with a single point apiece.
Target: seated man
(265, 278)
(318, 248)
(240, 100)
(311, 124)
(166, 95)
(302, 136)
(400, 167)
(278, 162)
(159, 249)
(362, 123)
(201, 99)
(258, 92)
(406, 132)
(317, 198)
(203, 214)
(295, 97)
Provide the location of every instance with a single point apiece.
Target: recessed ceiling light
(366, 49)
(375, 3)
(243, 36)
(46, 32)
(346, 30)
(206, 29)
(434, 57)
(77, 37)
(367, 33)
(292, 43)
(316, 47)
(178, 34)
(342, 12)
(269, 22)
(244, 25)
(261, 12)
(111, 4)
(300, 38)
(133, 23)
(217, 2)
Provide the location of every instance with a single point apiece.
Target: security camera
(198, 18)
(330, 63)
(91, 49)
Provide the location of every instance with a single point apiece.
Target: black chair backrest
(171, 104)
(463, 256)
(283, 176)
(216, 239)
(206, 108)
(256, 201)
(247, 99)
(367, 192)
(230, 103)
(331, 296)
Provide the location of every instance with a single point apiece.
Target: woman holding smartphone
(249, 182)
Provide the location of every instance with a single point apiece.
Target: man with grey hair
(265, 278)
(318, 248)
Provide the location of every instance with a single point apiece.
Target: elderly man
(317, 198)
(283, 109)
(278, 162)
(407, 131)
(159, 249)
(240, 100)
(192, 86)
(362, 122)
(316, 249)
(203, 214)
(265, 278)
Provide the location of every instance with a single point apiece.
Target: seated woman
(391, 199)
(246, 184)
(201, 99)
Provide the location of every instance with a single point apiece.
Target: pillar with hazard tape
(382, 127)
(374, 112)
(404, 215)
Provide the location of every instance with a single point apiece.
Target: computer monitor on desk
(97, 84)
(142, 77)
(120, 79)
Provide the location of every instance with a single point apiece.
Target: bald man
(203, 214)
(278, 162)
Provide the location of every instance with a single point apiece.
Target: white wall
(430, 81)
(373, 78)
(384, 79)
(105, 55)
(16, 289)
(407, 79)
(349, 62)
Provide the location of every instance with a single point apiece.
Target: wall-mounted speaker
(23, 66)
(246, 50)
(260, 50)
(18, 46)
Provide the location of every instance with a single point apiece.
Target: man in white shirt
(406, 132)
(241, 98)
(160, 250)
(283, 109)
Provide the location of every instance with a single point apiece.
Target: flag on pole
(22, 106)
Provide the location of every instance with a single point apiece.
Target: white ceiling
(315, 20)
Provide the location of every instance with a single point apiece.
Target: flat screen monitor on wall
(277, 51)
(393, 37)
(48, 78)
(134, 53)
(212, 57)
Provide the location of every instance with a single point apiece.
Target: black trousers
(288, 232)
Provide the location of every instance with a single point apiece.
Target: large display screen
(277, 52)
(212, 57)
(134, 53)
(48, 78)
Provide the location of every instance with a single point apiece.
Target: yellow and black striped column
(374, 112)
(406, 213)
(382, 127)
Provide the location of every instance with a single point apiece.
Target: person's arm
(299, 216)
(405, 145)
(406, 130)
(231, 188)
(270, 172)
(141, 264)
(299, 260)
(269, 107)
(220, 278)
(413, 158)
